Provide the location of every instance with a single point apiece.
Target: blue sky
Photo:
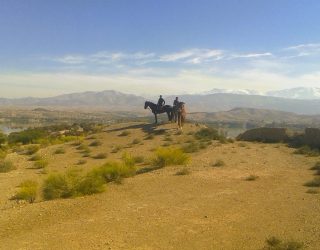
(152, 46)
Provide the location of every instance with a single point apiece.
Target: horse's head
(146, 104)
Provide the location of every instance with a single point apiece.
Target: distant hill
(224, 102)
(110, 100)
(259, 116)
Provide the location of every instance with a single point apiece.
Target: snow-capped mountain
(297, 93)
(231, 91)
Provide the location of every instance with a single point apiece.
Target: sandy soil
(211, 208)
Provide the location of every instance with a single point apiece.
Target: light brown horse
(181, 113)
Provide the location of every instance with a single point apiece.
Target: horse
(181, 114)
(155, 110)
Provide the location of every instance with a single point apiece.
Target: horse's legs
(155, 118)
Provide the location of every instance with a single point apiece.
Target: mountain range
(294, 93)
(110, 100)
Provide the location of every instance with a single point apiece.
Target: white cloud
(194, 56)
(251, 55)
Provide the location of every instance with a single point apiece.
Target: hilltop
(229, 196)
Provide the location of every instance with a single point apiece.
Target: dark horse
(155, 110)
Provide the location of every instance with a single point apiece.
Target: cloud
(303, 50)
(193, 56)
(251, 55)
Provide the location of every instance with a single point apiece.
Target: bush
(274, 243)
(306, 150)
(32, 149)
(251, 177)
(116, 149)
(6, 166)
(39, 164)
(218, 163)
(81, 162)
(60, 151)
(28, 191)
(312, 191)
(124, 133)
(3, 153)
(149, 137)
(128, 160)
(138, 159)
(95, 143)
(191, 148)
(313, 183)
(184, 171)
(56, 186)
(100, 156)
(170, 156)
(136, 141)
(90, 185)
(26, 136)
(71, 184)
(113, 171)
(35, 157)
(316, 166)
(208, 134)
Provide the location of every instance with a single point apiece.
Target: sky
(151, 47)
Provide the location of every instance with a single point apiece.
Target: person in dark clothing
(176, 101)
(161, 102)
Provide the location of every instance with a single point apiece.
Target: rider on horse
(176, 102)
(161, 102)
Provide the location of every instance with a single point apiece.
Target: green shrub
(81, 162)
(76, 143)
(32, 149)
(85, 154)
(136, 141)
(138, 159)
(274, 243)
(306, 150)
(35, 157)
(95, 143)
(71, 184)
(90, 185)
(39, 164)
(251, 177)
(312, 191)
(116, 149)
(184, 171)
(60, 151)
(113, 171)
(191, 148)
(149, 137)
(128, 160)
(168, 138)
(218, 163)
(313, 183)
(100, 156)
(170, 156)
(316, 166)
(27, 136)
(56, 186)
(208, 134)
(27, 191)
(124, 133)
(3, 153)
(6, 166)
(3, 138)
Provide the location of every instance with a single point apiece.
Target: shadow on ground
(147, 128)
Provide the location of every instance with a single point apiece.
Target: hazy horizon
(151, 47)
